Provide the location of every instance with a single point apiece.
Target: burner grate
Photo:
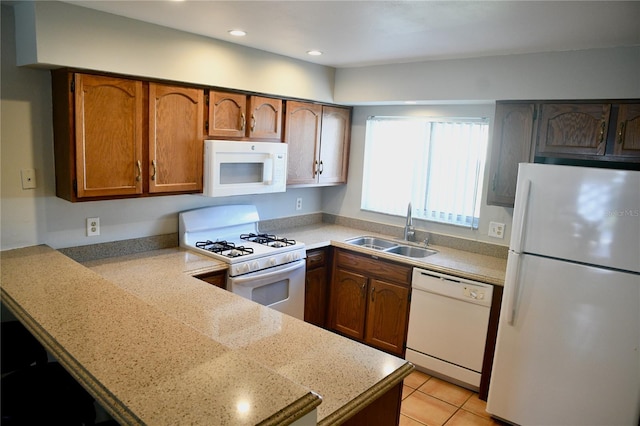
(268, 240)
(224, 248)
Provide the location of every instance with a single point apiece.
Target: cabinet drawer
(316, 258)
(374, 267)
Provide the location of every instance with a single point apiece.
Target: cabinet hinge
(206, 126)
(206, 100)
(73, 85)
(535, 113)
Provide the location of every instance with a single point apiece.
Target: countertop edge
(115, 407)
(356, 405)
(294, 411)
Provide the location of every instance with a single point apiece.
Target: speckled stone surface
(139, 362)
(346, 374)
(461, 263)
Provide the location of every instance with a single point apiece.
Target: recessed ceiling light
(314, 52)
(411, 102)
(237, 33)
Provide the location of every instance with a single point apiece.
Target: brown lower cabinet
(369, 300)
(317, 281)
(217, 278)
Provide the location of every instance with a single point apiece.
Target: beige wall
(37, 216)
(59, 34)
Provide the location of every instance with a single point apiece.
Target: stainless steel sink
(411, 251)
(372, 243)
(391, 246)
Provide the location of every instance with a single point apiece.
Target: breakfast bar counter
(155, 345)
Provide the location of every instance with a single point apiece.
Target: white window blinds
(437, 165)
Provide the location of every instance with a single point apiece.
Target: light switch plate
(28, 177)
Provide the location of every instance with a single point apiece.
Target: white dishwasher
(448, 322)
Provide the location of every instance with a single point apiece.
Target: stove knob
(255, 265)
(289, 258)
(245, 268)
(272, 261)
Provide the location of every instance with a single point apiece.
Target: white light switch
(28, 178)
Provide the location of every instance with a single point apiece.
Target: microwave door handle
(267, 173)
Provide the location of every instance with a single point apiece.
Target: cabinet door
(573, 129)
(348, 303)
(302, 135)
(175, 138)
(511, 145)
(334, 145)
(628, 131)
(386, 324)
(315, 297)
(265, 121)
(108, 136)
(227, 117)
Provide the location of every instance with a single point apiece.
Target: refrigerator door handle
(520, 217)
(512, 282)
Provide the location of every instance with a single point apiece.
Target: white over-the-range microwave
(244, 167)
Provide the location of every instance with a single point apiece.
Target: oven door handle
(271, 272)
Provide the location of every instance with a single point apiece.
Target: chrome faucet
(409, 230)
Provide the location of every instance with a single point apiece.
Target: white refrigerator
(568, 345)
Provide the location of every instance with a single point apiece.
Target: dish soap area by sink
(392, 246)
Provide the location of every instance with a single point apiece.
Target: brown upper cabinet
(318, 137)
(573, 129)
(512, 136)
(175, 138)
(627, 140)
(237, 115)
(569, 132)
(116, 137)
(602, 131)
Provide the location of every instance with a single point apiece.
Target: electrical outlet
(299, 203)
(93, 226)
(496, 230)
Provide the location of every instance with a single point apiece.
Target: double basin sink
(391, 246)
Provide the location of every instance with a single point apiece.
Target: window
(436, 164)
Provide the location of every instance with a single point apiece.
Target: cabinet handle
(153, 164)
(602, 126)
(315, 169)
(363, 292)
(139, 177)
(253, 122)
(243, 121)
(493, 184)
(321, 167)
(373, 293)
(621, 133)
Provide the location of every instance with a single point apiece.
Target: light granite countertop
(157, 346)
(461, 263)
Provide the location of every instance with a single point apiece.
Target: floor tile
(416, 379)
(408, 421)
(406, 391)
(466, 418)
(476, 406)
(427, 409)
(446, 391)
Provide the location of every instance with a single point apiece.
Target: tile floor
(431, 401)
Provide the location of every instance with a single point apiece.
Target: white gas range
(265, 268)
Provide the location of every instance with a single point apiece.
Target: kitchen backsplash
(138, 245)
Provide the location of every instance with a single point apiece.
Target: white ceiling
(361, 33)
